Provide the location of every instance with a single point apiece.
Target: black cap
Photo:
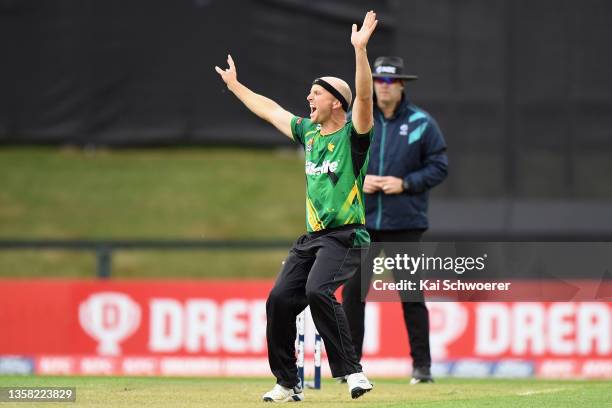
(391, 67)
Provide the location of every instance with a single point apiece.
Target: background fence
(521, 90)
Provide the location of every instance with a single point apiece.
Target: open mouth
(312, 109)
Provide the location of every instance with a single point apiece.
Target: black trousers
(416, 315)
(317, 264)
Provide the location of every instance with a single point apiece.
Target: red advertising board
(218, 328)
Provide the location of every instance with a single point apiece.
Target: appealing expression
(388, 90)
(321, 103)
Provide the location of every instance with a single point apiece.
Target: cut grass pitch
(223, 392)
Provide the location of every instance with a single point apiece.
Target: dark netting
(521, 89)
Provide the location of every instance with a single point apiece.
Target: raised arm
(263, 107)
(363, 108)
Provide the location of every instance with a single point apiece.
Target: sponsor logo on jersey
(331, 147)
(404, 130)
(327, 167)
(309, 144)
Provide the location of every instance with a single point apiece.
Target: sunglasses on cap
(386, 80)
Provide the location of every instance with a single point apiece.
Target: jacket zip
(380, 171)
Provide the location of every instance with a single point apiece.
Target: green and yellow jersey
(336, 165)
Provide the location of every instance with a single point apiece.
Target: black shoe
(421, 375)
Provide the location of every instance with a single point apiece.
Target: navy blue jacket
(410, 146)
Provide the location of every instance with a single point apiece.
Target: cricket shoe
(358, 384)
(282, 394)
(421, 375)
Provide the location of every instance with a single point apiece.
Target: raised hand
(360, 38)
(228, 75)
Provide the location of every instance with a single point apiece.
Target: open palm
(360, 38)
(229, 74)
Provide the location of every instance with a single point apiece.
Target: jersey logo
(298, 121)
(326, 167)
(404, 130)
(331, 147)
(309, 144)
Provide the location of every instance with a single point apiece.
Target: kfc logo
(110, 318)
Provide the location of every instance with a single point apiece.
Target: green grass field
(156, 194)
(164, 193)
(220, 392)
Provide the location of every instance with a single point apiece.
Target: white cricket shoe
(358, 384)
(282, 394)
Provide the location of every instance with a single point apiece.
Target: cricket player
(336, 155)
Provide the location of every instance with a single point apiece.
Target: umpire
(407, 159)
